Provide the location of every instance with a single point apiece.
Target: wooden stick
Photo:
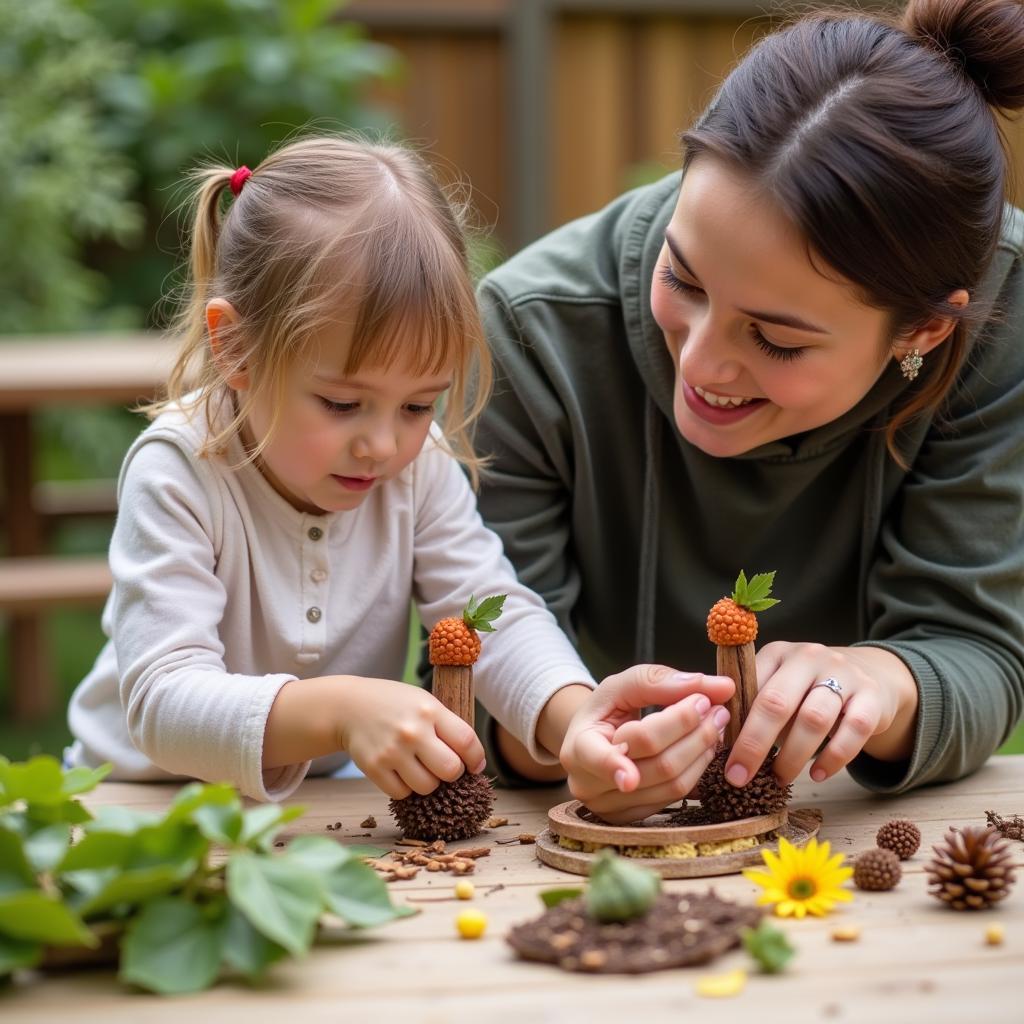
(738, 664)
(453, 687)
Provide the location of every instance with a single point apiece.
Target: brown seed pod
(455, 810)
(877, 870)
(723, 801)
(972, 868)
(901, 836)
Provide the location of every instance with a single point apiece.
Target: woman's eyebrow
(781, 319)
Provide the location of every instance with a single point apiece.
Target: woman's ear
(222, 322)
(932, 333)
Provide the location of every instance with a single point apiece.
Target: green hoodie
(630, 533)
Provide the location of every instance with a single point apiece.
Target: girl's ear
(222, 321)
(932, 333)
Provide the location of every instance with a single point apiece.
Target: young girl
(283, 509)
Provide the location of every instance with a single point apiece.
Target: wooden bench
(36, 372)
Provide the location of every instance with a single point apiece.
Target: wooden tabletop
(112, 368)
(915, 961)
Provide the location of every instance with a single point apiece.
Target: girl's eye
(421, 410)
(678, 285)
(337, 407)
(774, 351)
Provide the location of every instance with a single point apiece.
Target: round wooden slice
(574, 821)
(802, 824)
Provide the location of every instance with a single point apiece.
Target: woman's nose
(707, 356)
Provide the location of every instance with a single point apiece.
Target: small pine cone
(877, 870)
(729, 625)
(723, 801)
(901, 836)
(452, 642)
(972, 868)
(455, 810)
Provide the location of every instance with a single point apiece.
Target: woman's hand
(623, 767)
(403, 738)
(876, 710)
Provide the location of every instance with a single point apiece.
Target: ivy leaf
(33, 915)
(245, 949)
(15, 953)
(480, 616)
(171, 947)
(769, 946)
(215, 809)
(15, 870)
(261, 824)
(82, 780)
(37, 781)
(356, 893)
(317, 853)
(279, 898)
(45, 847)
(552, 897)
(70, 811)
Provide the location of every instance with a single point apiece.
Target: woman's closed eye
(769, 348)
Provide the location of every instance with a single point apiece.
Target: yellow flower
(802, 880)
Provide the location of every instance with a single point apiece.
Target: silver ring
(830, 684)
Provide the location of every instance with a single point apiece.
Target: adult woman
(790, 362)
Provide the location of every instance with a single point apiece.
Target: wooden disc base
(796, 825)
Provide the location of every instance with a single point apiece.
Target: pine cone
(763, 794)
(455, 810)
(972, 868)
(877, 870)
(901, 836)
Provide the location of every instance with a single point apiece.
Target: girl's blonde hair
(325, 226)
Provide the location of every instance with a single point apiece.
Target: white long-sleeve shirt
(223, 592)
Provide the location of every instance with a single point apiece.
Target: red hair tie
(239, 178)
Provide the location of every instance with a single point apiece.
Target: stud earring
(911, 363)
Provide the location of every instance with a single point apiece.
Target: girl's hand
(623, 767)
(876, 710)
(403, 738)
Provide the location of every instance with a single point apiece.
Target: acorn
(901, 836)
(723, 801)
(618, 890)
(877, 870)
(454, 810)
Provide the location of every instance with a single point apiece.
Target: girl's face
(764, 345)
(337, 438)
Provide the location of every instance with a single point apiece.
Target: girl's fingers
(858, 722)
(387, 781)
(597, 758)
(441, 761)
(417, 777)
(461, 738)
(672, 763)
(814, 720)
(647, 737)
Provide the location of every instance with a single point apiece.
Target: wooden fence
(552, 107)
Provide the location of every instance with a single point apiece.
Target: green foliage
(768, 946)
(65, 181)
(754, 595)
(224, 80)
(182, 919)
(479, 616)
(552, 897)
(618, 890)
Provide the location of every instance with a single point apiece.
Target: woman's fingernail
(818, 774)
(736, 775)
(702, 705)
(620, 778)
(721, 718)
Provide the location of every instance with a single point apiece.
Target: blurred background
(545, 109)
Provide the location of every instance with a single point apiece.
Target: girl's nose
(378, 442)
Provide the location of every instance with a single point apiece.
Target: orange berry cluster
(452, 642)
(729, 625)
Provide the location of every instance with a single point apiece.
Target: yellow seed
(464, 889)
(846, 933)
(994, 935)
(721, 985)
(471, 923)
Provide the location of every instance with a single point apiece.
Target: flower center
(802, 888)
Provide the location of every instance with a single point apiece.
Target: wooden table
(37, 372)
(916, 960)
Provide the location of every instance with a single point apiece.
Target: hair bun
(985, 38)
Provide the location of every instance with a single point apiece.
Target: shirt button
(314, 533)
(318, 575)
(313, 614)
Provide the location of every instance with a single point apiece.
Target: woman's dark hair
(878, 139)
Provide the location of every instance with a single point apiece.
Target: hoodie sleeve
(946, 594)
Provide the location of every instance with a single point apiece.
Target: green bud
(618, 890)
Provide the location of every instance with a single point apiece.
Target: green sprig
(479, 616)
(754, 594)
(768, 946)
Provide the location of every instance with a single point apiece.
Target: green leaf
(39, 780)
(98, 850)
(220, 823)
(261, 824)
(15, 870)
(82, 780)
(70, 811)
(135, 886)
(552, 897)
(356, 893)
(124, 820)
(480, 616)
(768, 946)
(244, 948)
(45, 847)
(318, 853)
(171, 947)
(754, 595)
(34, 915)
(15, 953)
(278, 897)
